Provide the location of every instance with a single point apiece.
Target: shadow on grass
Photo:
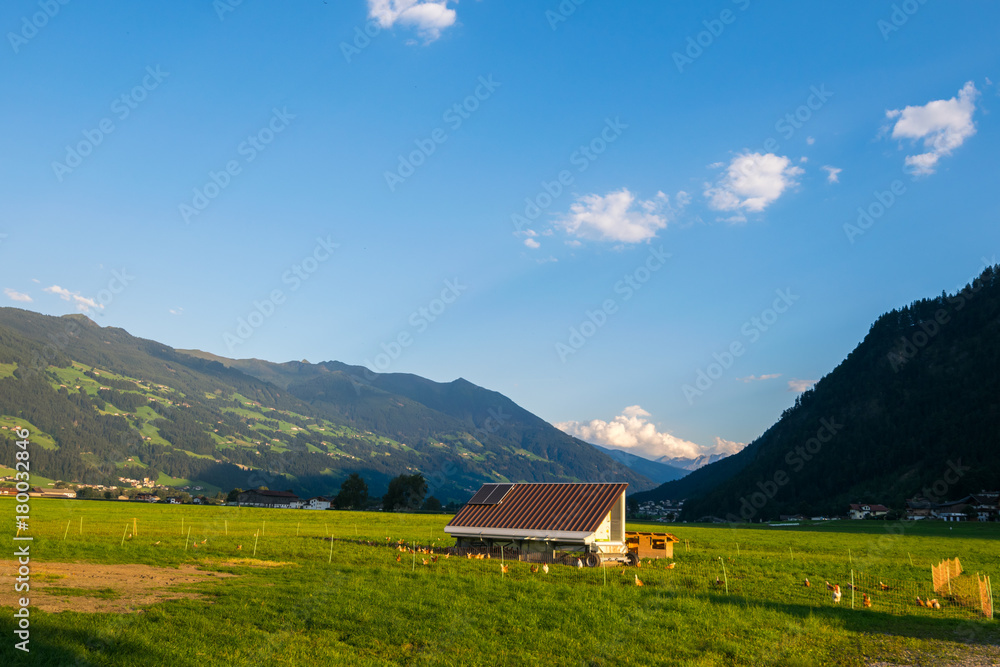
(979, 632)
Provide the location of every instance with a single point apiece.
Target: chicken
(239, 547)
(399, 558)
(468, 556)
(434, 560)
(718, 582)
(672, 566)
(578, 564)
(638, 581)
(545, 568)
(884, 587)
(156, 543)
(829, 586)
(934, 604)
(836, 593)
(424, 561)
(808, 584)
(921, 602)
(867, 600)
(534, 569)
(504, 569)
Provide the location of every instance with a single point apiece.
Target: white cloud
(757, 378)
(832, 173)
(83, 304)
(176, 311)
(800, 385)
(428, 17)
(532, 243)
(617, 217)
(751, 182)
(17, 296)
(631, 431)
(810, 141)
(944, 125)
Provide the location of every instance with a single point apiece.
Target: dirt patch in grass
(96, 588)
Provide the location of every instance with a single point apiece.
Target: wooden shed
(544, 518)
(651, 545)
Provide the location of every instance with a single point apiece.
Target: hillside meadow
(121, 583)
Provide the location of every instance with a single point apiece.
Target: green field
(303, 600)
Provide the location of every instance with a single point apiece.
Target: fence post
(852, 589)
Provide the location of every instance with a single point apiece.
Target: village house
(318, 503)
(266, 498)
(862, 511)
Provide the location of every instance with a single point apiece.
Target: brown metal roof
(569, 507)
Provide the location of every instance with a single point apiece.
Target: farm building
(863, 511)
(265, 498)
(318, 503)
(544, 518)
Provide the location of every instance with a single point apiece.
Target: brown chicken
(504, 569)
(867, 600)
(638, 581)
(807, 584)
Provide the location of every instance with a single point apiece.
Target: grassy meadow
(285, 595)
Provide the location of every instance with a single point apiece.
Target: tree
(405, 492)
(432, 504)
(234, 495)
(353, 493)
(108, 495)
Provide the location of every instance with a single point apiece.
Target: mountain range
(104, 405)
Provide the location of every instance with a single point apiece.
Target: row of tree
(406, 492)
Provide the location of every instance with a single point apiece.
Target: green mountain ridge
(121, 406)
(914, 409)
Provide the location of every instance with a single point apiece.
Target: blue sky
(582, 206)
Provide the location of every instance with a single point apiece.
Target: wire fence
(961, 595)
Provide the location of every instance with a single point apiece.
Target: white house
(318, 503)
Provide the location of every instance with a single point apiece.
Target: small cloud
(803, 159)
(832, 173)
(810, 141)
(17, 296)
(752, 182)
(800, 386)
(943, 125)
(176, 311)
(758, 378)
(83, 304)
(617, 217)
(428, 17)
(532, 243)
